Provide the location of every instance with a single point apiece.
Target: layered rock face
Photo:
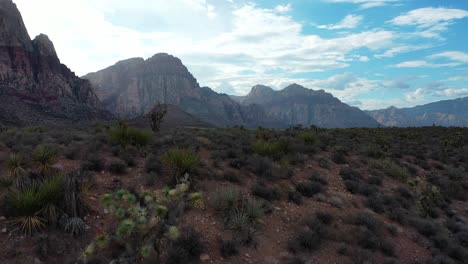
(297, 105)
(34, 85)
(132, 87)
(442, 113)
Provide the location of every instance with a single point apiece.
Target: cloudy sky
(368, 53)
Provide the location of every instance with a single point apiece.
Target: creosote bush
(124, 135)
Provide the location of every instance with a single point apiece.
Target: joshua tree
(156, 116)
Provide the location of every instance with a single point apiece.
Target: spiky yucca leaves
(35, 206)
(75, 226)
(179, 162)
(15, 165)
(44, 158)
(27, 205)
(75, 193)
(5, 183)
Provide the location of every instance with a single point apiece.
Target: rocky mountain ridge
(34, 85)
(132, 87)
(441, 113)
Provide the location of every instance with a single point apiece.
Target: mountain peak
(295, 88)
(13, 32)
(259, 90)
(44, 46)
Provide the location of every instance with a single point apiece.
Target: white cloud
(458, 78)
(364, 4)
(455, 57)
(421, 63)
(452, 55)
(283, 8)
(401, 49)
(350, 21)
(430, 21)
(453, 92)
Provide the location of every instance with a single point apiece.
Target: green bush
(124, 135)
(270, 149)
(309, 138)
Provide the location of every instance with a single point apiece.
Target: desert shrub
(129, 154)
(282, 171)
(309, 138)
(273, 150)
(178, 162)
(391, 169)
(265, 192)
(72, 152)
(240, 213)
(229, 248)
(124, 135)
(227, 199)
(153, 164)
(187, 248)
(309, 189)
(264, 134)
(339, 157)
(118, 167)
(425, 227)
(296, 260)
(92, 163)
(232, 176)
(376, 203)
(312, 237)
(261, 166)
(295, 197)
(316, 177)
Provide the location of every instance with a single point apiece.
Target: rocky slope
(298, 105)
(132, 87)
(442, 113)
(34, 85)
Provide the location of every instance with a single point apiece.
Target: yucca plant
(5, 183)
(178, 162)
(35, 205)
(27, 205)
(44, 158)
(75, 226)
(15, 165)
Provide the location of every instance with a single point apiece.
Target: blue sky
(369, 53)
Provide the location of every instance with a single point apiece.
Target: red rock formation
(33, 82)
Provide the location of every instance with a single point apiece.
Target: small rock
(205, 257)
(4, 230)
(106, 211)
(2, 218)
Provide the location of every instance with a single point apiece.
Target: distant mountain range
(36, 88)
(442, 113)
(130, 88)
(296, 104)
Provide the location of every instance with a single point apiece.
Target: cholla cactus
(197, 200)
(173, 233)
